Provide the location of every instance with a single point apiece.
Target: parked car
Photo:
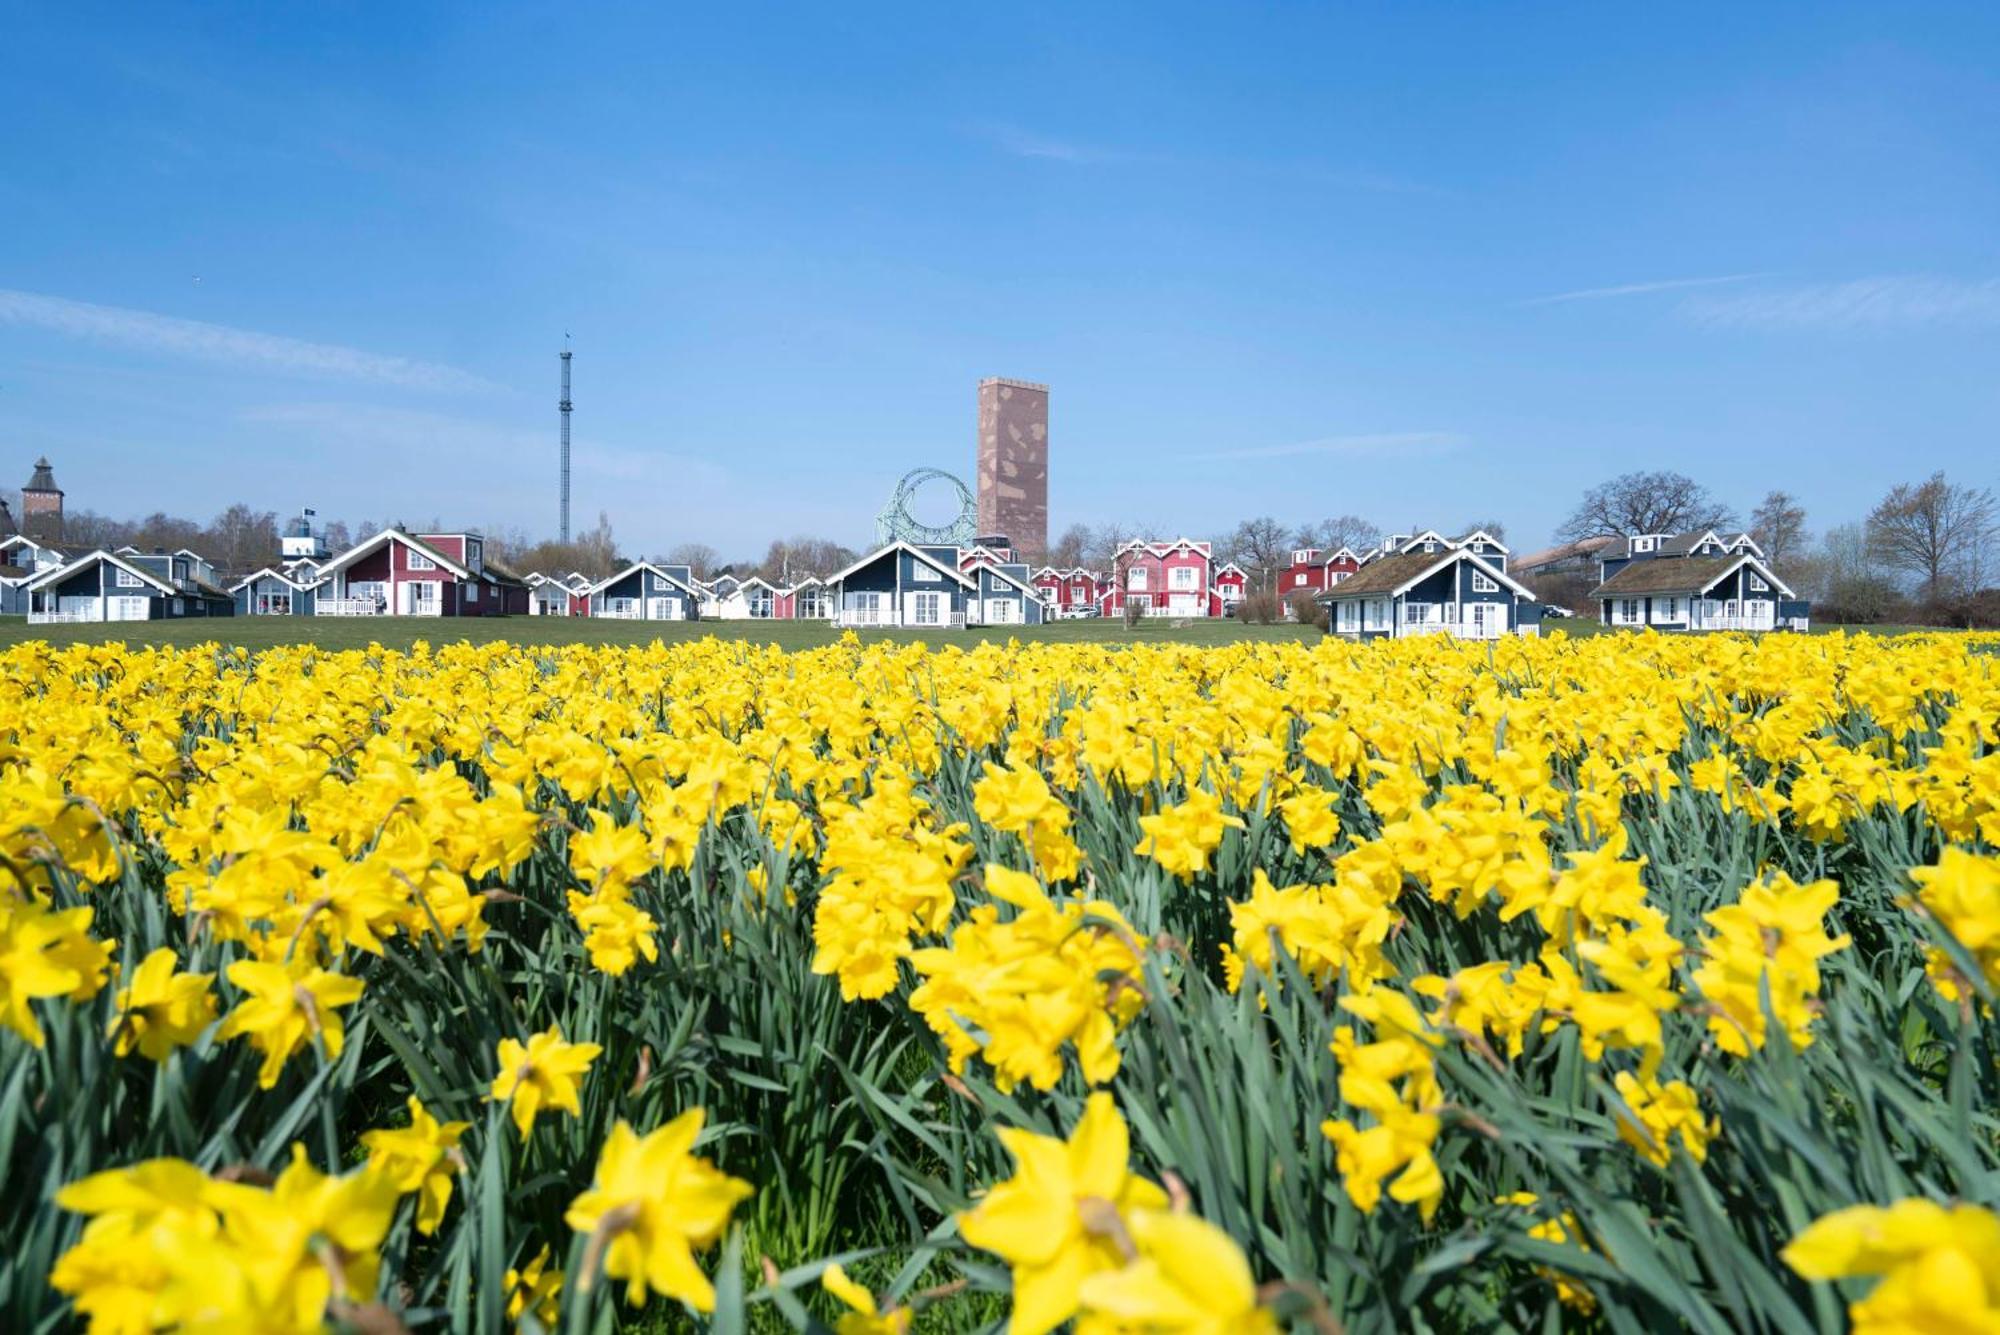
(1555, 610)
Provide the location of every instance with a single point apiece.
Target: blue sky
(1425, 263)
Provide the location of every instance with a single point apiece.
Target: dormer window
(1643, 544)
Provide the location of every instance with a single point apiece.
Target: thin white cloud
(1914, 301)
(1384, 443)
(173, 336)
(1020, 143)
(1638, 289)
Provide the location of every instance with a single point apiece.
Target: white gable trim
(1762, 569)
(594, 589)
(361, 549)
(1445, 559)
(899, 545)
(75, 567)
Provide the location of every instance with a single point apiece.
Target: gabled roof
(13, 540)
(1481, 535)
(189, 551)
(1002, 572)
(389, 535)
(275, 573)
(899, 545)
(982, 553)
(1166, 548)
(1347, 552)
(1229, 566)
(675, 580)
(1688, 574)
(61, 573)
(1387, 576)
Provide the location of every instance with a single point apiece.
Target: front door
(420, 599)
(1484, 620)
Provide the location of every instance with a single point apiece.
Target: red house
(403, 574)
(1232, 585)
(1314, 571)
(1165, 578)
(1067, 593)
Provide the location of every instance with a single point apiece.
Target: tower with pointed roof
(42, 506)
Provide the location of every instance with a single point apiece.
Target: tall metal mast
(564, 405)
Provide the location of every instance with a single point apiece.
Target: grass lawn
(401, 632)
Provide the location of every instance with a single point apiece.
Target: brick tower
(1014, 463)
(42, 506)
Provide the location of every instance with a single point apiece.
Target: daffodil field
(1625, 983)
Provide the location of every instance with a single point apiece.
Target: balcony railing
(862, 618)
(61, 618)
(348, 607)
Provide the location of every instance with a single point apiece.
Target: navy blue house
(904, 585)
(107, 586)
(1430, 586)
(274, 593)
(1694, 582)
(648, 592)
(1005, 597)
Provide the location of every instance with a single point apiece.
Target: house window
(1135, 578)
(1666, 609)
(1183, 579)
(620, 607)
(472, 593)
(1628, 612)
(180, 607)
(1757, 584)
(472, 553)
(125, 578)
(1483, 584)
(1642, 544)
(923, 574)
(418, 561)
(926, 609)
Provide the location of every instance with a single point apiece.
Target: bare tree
(1105, 542)
(1935, 530)
(1261, 545)
(1660, 502)
(789, 560)
(1845, 581)
(700, 558)
(1493, 528)
(592, 552)
(1350, 531)
(1072, 548)
(1779, 526)
(240, 539)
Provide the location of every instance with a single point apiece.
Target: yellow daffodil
(1062, 1216)
(653, 1203)
(544, 1072)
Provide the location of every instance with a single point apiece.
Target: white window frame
(1629, 613)
(1135, 580)
(1183, 579)
(416, 560)
(924, 573)
(125, 579)
(1757, 584)
(472, 593)
(1484, 583)
(927, 609)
